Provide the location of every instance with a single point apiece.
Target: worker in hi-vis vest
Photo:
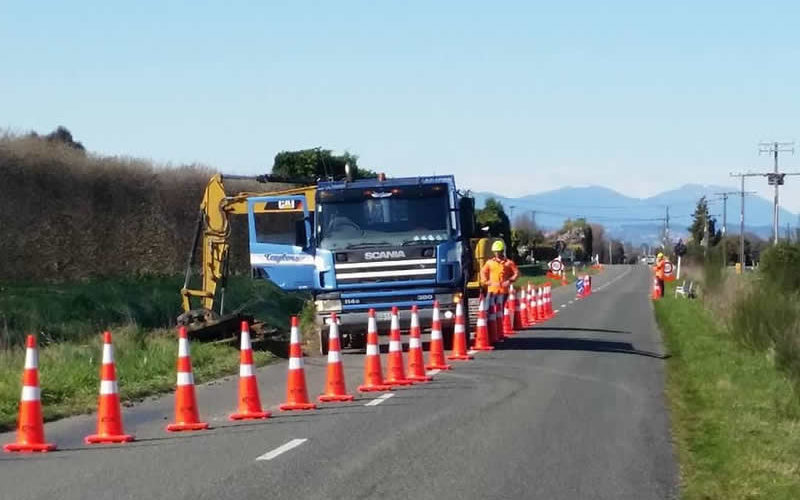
(497, 275)
(659, 268)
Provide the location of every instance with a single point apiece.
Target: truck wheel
(447, 335)
(322, 334)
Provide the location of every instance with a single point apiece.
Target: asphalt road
(571, 409)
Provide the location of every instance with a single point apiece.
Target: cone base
(108, 438)
(484, 348)
(297, 406)
(420, 378)
(459, 357)
(374, 388)
(250, 415)
(438, 367)
(180, 427)
(399, 381)
(335, 398)
(29, 447)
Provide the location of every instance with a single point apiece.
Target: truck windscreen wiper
(369, 244)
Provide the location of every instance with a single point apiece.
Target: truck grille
(386, 271)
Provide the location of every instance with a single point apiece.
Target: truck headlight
(445, 298)
(328, 305)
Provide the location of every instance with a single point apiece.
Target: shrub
(780, 265)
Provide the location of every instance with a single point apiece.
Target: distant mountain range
(641, 220)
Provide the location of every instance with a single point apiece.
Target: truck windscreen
(361, 218)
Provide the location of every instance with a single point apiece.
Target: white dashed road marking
(380, 399)
(431, 373)
(294, 443)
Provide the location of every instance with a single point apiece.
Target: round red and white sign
(556, 266)
(668, 268)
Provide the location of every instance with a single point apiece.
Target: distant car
(651, 260)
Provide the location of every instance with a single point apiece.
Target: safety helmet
(498, 246)
(660, 255)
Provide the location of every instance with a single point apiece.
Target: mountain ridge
(641, 220)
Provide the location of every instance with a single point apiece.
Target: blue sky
(514, 97)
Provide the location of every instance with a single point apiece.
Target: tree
(317, 163)
(494, 216)
(698, 228)
(61, 135)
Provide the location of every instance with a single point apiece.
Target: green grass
(70, 311)
(734, 415)
(69, 371)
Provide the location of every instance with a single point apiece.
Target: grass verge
(734, 415)
(69, 371)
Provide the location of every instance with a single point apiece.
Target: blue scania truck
(367, 244)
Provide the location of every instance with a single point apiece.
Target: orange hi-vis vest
(660, 269)
(496, 271)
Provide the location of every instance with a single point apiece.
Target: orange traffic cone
(436, 351)
(564, 281)
(482, 339)
(335, 389)
(536, 305)
(249, 400)
(516, 320)
(548, 301)
(187, 416)
(540, 304)
(532, 319)
(373, 372)
(508, 317)
(30, 425)
(296, 390)
(523, 309)
(109, 414)
(416, 365)
(395, 370)
(459, 336)
(656, 290)
(492, 323)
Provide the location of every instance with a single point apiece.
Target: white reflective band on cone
(244, 345)
(30, 393)
(436, 334)
(372, 325)
(395, 324)
(295, 337)
(394, 346)
(31, 358)
(108, 354)
(185, 378)
(481, 322)
(372, 350)
(334, 331)
(459, 328)
(295, 363)
(334, 357)
(108, 387)
(414, 321)
(414, 343)
(246, 370)
(183, 348)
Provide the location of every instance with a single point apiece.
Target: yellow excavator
(204, 307)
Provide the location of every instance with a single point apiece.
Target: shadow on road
(568, 329)
(567, 344)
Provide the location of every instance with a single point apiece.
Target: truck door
(280, 240)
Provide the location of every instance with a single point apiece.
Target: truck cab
(368, 244)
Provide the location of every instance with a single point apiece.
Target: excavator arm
(212, 237)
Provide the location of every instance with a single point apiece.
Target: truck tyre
(447, 334)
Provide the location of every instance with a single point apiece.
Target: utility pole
(725, 222)
(610, 258)
(775, 178)
(666, 241)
